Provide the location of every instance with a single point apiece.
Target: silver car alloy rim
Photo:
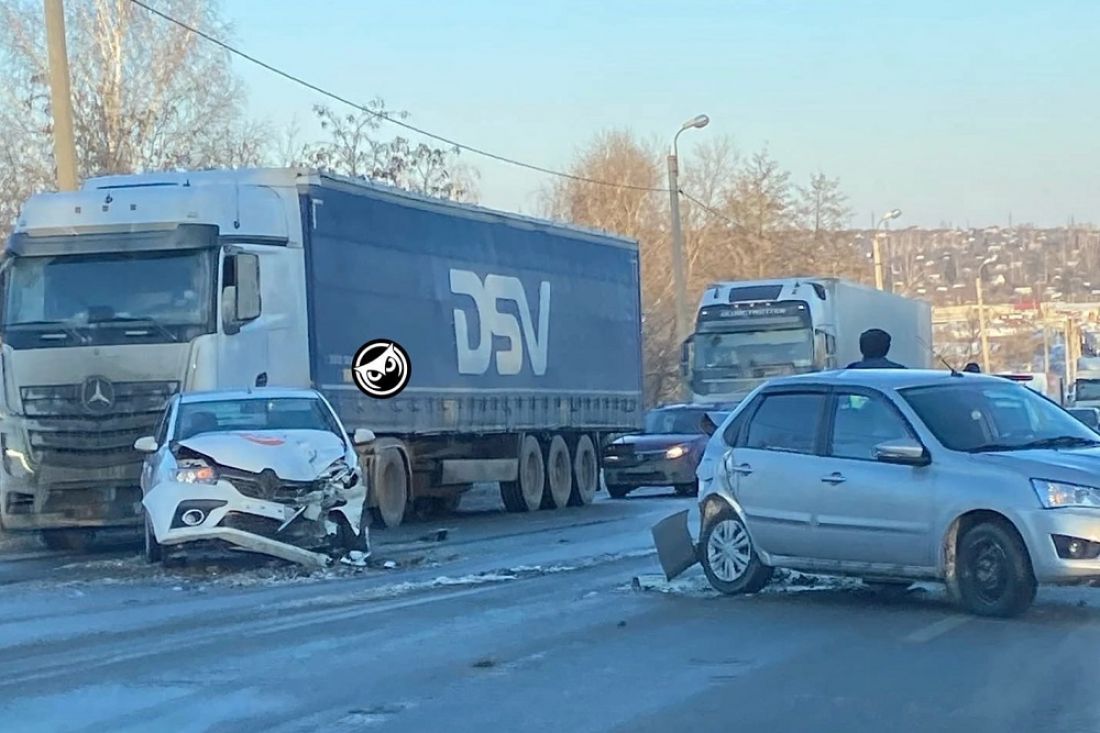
(728, 550)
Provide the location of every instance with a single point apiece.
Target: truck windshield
(90, 295)
(1088, 389)
(756, 353)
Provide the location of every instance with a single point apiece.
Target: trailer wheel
(391, 488)
(586, 472)
(559, 475)
(525, 493)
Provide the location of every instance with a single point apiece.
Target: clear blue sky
(958, 111)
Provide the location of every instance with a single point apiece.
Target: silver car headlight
(1059, 495)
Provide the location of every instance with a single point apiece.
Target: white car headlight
(1058, 495)
(675, 451)
(196, 475)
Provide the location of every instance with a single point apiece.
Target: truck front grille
(65, 435)
(64, 400)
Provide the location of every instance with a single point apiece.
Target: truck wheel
(995, 575)
(525, 493)
(69, 540)
(154, 553)
(559, 475)
(586, 473)
(391, 488)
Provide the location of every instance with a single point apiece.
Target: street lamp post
(875, 250)
(679, 279)
(982, 324)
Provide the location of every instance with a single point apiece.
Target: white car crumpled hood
(294, 455)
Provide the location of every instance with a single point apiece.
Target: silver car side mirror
(904, 452)
(362, 436)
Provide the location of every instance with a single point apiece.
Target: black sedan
(665, 454)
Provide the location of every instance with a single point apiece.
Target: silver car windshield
(995, 417)
(222, 416)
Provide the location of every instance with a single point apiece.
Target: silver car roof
(886, 378)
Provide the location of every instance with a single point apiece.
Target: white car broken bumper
(192, 512)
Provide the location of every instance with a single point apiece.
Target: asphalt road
(496, 628)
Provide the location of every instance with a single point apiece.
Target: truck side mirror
(685, 357)
(248, 287)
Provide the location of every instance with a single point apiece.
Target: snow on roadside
(694, 583)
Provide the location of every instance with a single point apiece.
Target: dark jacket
(879, 363)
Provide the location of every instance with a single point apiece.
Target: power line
(333, 95)
(709, 210)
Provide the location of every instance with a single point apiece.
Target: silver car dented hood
(294, 455)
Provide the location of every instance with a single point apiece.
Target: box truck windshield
(108, 297)
(753, 342)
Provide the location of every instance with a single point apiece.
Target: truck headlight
(1059, 495)
(675, 451)
(197, 475)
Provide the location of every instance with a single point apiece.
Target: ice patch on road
(694, 583)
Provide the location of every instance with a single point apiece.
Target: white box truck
(748, 332)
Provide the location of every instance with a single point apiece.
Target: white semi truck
(523, 337)
(749, 331)
(1085, 390)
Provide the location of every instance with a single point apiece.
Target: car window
(786, 422)
(290, 413)
(161, 432)
(677, 421)
(986, 416)
(862, 422)
(732, 432)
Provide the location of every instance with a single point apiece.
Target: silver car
(896, 476)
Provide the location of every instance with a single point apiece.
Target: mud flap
(675, 547)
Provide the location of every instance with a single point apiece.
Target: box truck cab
(1085, 390)
(750, 331)
(524, 335)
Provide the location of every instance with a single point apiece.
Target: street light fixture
(679, 280)
(876, 252)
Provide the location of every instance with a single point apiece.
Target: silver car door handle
(834, 478)
(744, 469)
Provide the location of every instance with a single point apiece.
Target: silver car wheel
(729, 550)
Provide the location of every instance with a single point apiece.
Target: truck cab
(112, 299)
(748, 332)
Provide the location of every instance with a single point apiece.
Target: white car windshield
(995, 417)
(283, 413)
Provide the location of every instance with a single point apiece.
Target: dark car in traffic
(666, 453)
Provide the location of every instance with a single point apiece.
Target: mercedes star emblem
(97, 394)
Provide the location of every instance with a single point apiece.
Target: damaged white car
(266, 470)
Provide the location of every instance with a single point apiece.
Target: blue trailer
(520, 339)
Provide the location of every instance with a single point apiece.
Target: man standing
(874, 345)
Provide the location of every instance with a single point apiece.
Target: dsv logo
(487, 296)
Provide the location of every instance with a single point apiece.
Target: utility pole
(876, 251)
(61, 101)
(982, 323)
(678, 277)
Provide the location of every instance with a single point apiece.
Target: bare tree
(760, 202)
(147, 94)
(822, 215)
(353, 147)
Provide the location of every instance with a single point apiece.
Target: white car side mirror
(146, 444)
(362, 436)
